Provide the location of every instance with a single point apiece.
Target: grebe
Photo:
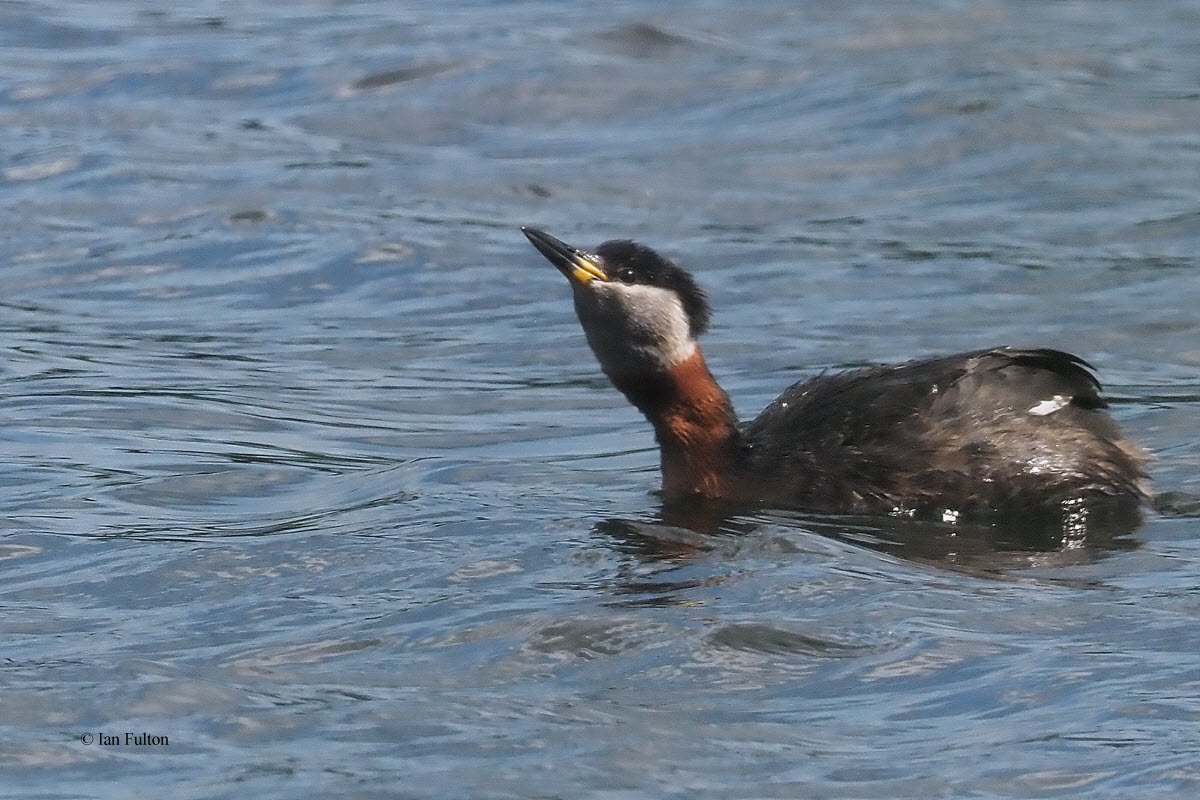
(988, 430)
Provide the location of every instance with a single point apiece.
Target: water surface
(308, 468)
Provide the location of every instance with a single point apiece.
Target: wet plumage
(987, 429)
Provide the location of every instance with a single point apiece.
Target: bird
(1005, 429)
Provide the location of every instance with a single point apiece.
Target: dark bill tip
(572, 262)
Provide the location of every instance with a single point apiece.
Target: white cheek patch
(658, 314)
(1050, 406)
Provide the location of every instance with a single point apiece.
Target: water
(309, 471)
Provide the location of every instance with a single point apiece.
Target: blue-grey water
(308, 471)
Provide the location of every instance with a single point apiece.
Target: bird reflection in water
(1081, 534)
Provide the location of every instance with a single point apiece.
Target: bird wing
(976, 417)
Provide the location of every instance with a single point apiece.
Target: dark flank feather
(959, 431)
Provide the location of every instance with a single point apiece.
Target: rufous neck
(695, 426)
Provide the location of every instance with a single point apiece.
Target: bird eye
(626, 275)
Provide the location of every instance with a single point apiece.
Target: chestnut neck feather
(695, 426)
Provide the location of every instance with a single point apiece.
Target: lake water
(308, 470)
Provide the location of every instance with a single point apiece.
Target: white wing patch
(1050, 406)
